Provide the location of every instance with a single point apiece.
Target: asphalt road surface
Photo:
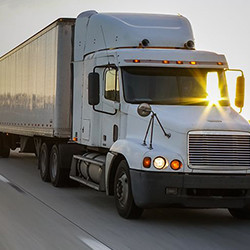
(34, 215)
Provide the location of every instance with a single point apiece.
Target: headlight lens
(160, 162)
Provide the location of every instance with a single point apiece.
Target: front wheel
(124, 200)
(240, 213)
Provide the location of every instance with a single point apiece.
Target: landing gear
(4, 147)
(124, 200)
(5, 151)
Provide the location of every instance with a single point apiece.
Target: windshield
(174, 86)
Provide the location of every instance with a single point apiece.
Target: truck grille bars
(217, 150)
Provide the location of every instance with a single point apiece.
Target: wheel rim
(122, 189)
(43, 161)
(54, 165)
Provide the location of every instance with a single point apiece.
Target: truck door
(111, 105)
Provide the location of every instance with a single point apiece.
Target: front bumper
(151, 189)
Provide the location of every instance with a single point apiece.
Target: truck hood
(182, 119)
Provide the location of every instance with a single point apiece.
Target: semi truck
(125, 104)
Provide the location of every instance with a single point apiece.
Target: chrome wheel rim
(43, 161)
(54, 165)
(122, 189)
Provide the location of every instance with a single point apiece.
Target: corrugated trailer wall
(35, 83)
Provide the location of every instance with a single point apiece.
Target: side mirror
(93, 88)
(144, 109)
(240, 92)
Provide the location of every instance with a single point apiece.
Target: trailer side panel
(35, 84)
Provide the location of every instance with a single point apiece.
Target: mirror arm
(113, 66)
(151, 124)
(236, 70)
(168, 135)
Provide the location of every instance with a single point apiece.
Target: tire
(58, 176)
(43, 162)
(240, 213)
(124, 200)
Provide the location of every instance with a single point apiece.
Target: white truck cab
(161, 110)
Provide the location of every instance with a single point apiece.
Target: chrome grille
(215, 150)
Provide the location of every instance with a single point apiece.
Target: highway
(35, 215)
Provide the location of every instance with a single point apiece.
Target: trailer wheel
(43, 162)
(124, 200)
(240, 213)
(58, 175)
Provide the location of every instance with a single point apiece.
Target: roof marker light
(136, 61)
(165, 61)
(179, 62)
(220, 63)
(193, 63)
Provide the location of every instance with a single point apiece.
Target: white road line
(94, 244)
(3, 179)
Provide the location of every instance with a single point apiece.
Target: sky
(221, 26)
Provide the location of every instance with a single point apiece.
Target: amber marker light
(136, 60)
(220, 63)
(179, 62)
(176, 164)
(193, 63)
(147, 162)
(165, 61)
(75, 139)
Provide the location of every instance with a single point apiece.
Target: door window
(112, 91)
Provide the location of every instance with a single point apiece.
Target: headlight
(160, 162)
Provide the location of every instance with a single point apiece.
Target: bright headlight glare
(160, 162)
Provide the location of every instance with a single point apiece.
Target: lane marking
(5, 180)
(90, 241)
(94, 244)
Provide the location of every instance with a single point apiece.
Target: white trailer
(36, 90)
(121, 103)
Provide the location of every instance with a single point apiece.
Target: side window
(112, 85)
